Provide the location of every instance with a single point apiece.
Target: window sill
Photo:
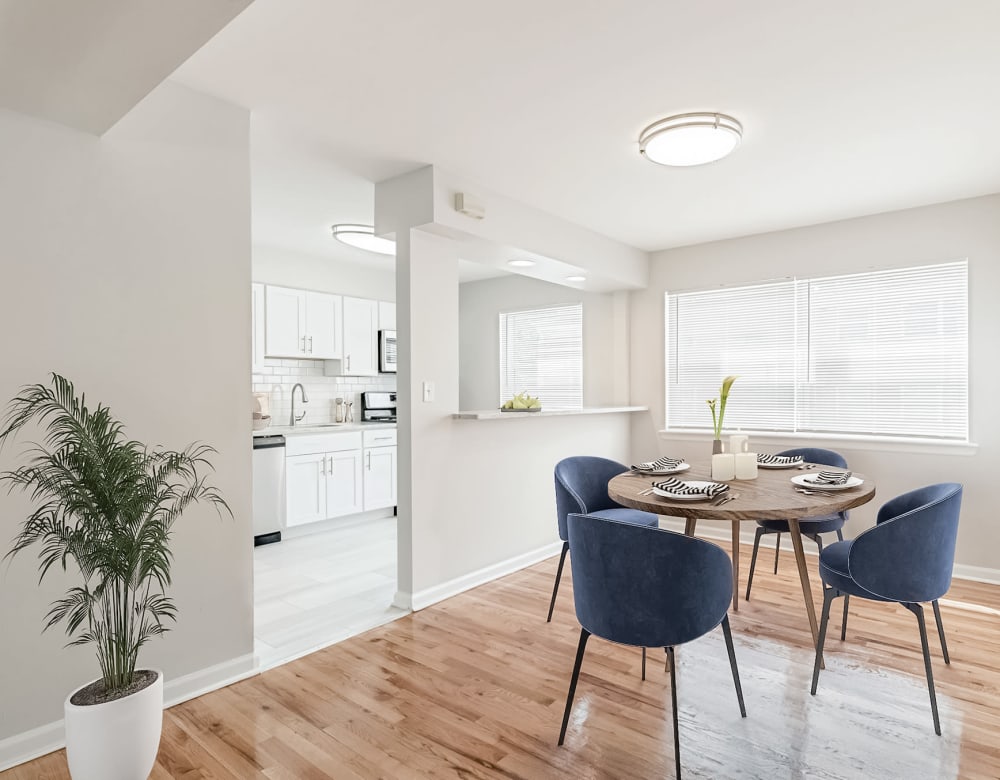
(867, 443)
(496, 414)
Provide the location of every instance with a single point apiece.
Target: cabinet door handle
(310, 345)
(322, 468)
(369, 461)
(348, 362)
(303, 340)
(331, 464)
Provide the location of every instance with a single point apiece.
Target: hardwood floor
(474, 688)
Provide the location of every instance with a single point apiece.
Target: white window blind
(882, 353)
(541, 353)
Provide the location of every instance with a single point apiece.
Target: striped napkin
(778, 460)
(831, 478)
(661, 464)
(681, 488)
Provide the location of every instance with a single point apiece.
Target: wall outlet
(428, 392)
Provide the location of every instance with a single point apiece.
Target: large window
(882, 354)
(541, 353)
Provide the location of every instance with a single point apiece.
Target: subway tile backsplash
(277, 377)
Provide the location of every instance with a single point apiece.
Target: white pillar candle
(745, 465)
(723, 466)
(738, 444)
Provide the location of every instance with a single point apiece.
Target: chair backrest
(645, 586)
(909, 555)
(819, 455)
(582, 486)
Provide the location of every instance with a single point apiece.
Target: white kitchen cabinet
(386, 315)
(360, 345)
(380, 468)
(302, 323)
(257, 327)
(323, 477)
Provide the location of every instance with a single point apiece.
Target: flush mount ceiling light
(690, 139)
(521, 262)
(363, 237)
(576, 278)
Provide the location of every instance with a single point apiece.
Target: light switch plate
(428, 392)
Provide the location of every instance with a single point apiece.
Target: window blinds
(541, 353)
(882, 353)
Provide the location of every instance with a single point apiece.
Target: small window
(541, 353)
(883, 353)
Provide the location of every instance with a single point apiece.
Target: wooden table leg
(689, 526)
(736, 565)
(800, 561)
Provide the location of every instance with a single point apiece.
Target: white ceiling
(849, 108)
(87, 64)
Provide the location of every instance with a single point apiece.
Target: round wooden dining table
(771, 496)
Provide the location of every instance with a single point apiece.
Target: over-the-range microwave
(387, 351)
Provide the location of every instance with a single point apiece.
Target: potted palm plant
(103, 508)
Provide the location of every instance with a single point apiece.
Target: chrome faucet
(305, 399)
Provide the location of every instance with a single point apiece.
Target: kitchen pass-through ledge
(496, 414)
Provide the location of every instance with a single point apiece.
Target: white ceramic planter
(117, 740)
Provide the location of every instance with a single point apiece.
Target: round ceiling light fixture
(576, 278)
(690, 139)
(521, 262)
(363, 237)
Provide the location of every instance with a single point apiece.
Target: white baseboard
(429, 596)
(31, 744)
(724, 535)
(45, 739)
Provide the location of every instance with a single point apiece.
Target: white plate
(688, 497)
(676, 470)
(792, 465)
(807, 481)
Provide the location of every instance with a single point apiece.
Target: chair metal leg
(673, 701)
(819, 542)
(829, 594)
(940, 627)
(843, 626)
(840, 535)
(555, 588)
(666, 661)
(918, 610)
(753, 559)
(644, 663)
(732, 663)
(584, 636)
(777, 549)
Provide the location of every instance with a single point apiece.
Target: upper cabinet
(302, 324)
(386, 315)
(361, 325)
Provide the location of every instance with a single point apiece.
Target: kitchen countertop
(301, 430)
(496, 414)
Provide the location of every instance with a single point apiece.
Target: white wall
(480, 304)
(326, 274)
(126, 267)
(950, 231)
(476, 498)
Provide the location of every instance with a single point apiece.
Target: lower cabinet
(380, 469)
(323, 477)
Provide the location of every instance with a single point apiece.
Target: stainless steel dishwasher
(268, 488)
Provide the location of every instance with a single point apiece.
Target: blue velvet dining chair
(906, 558)
(810, 527)
(647, 587)
(582, 487)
